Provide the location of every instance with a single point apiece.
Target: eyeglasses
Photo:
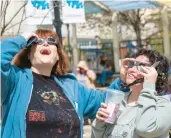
(49, 40)
(136, 63)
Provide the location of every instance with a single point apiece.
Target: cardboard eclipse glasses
(49, 40)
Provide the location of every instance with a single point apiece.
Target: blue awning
(129, 4)
(122, 5)
(91, 7)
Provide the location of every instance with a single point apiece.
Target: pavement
(87, 131)
(87, 128)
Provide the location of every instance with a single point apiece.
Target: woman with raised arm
(39, 98)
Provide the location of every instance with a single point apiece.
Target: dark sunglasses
(49, 40)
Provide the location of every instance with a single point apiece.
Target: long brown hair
(62, 65)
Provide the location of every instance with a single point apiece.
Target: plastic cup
(113, 101)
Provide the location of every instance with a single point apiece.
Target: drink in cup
(113, 101)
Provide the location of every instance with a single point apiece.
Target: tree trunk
(138, 34)
(2, 31)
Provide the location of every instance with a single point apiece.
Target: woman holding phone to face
(143, 112)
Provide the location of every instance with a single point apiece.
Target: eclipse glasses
(139, 64)
(49, 40)
(136, 63)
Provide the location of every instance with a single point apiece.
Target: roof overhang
(100, 6)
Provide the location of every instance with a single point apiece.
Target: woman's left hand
(150, 74)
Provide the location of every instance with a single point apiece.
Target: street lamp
(57, 20)
(98, 43)
(69, 46)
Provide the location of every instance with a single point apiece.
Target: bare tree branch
(7, 26)
(146, 22)
(25, 3)
(4, 7)
(1, 8)
(21, 20)
(142, 12)
(138, 12)
(48, 13)
(138, 18)
(159, 31)
(132, 16)
(137, 15)
(4, 16)
(126, 17)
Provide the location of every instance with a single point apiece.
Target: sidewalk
(87, 131)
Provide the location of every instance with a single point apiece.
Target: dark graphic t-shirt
(50, 114)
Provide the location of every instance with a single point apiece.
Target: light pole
(69, 46)
(98, 40)
(57, 20)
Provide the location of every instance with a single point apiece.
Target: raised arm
(9, 48)
(153, 114)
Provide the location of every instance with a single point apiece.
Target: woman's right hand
(28, 35)
(102, 113)
(124, 68)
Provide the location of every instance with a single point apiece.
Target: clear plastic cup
(113, 101)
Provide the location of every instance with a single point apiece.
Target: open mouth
(130, 75)
(45, 52)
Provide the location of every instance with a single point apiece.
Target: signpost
(73, 11)
(39, 12)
